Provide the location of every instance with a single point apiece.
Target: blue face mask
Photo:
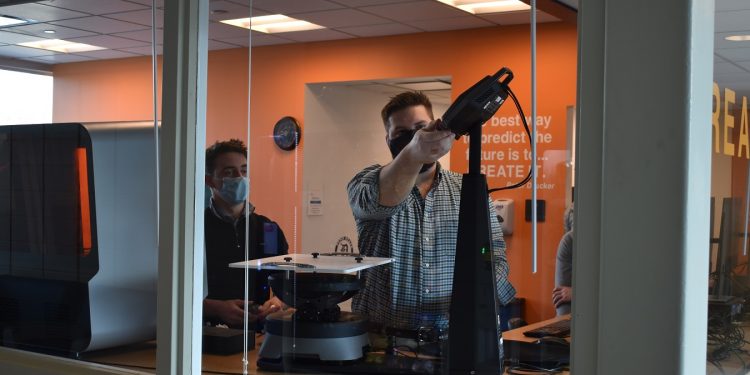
(234, 189)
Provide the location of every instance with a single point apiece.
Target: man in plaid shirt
(408, 210)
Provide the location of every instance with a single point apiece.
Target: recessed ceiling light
(59, 45)
(49, 31)
(275, 23)
(738, 38)
(484, 6)
(10, 20)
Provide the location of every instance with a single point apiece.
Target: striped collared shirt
(420, 234)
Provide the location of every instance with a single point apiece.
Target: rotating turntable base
(341, 340)
(316, 329)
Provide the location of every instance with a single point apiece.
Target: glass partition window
(315, 259)
(318, 142)
(78, 204)
(728, 278)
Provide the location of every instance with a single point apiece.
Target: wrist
(410, 159)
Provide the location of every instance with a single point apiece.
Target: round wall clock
(287, 133)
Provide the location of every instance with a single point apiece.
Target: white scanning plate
(307, 263)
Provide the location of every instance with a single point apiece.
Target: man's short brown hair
(402, 101)
(222, 147)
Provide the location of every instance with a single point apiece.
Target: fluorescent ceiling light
(484, 6)
(275, 23)
(8, 20)
(738, 38)
(59, 45)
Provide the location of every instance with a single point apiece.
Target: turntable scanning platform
(321, 263)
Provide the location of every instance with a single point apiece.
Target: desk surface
(517, 334)
(142, 356)
(515, 342)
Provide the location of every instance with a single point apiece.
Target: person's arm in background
(273, 303)
(228, 311)
(562, 295)
(505, 290)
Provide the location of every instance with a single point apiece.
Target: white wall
(343, 134)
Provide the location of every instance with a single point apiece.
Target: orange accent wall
(118, 90)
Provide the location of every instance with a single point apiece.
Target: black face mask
(397, 144)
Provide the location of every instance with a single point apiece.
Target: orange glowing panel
(83, 191)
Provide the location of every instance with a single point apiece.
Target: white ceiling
(123, 27)
(732, 59)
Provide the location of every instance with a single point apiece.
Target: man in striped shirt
(408, 210)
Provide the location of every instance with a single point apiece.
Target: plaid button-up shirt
(420, 234)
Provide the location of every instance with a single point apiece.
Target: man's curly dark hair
(222, 147)
(402, 101)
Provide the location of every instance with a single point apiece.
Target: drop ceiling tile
(22, 52)
(735, 54)
(316, 35)
(270, 42)
(141, 17)
(145, 50)
(107, 54)
(39, 12)
(362, 3)
(61, 58)
(732, 21)
(730, 5)
(732, 78)
(259, 39)
(100, 25)
(217, 30)
(217, 45)
(143, 35)
(729, 68)
(745, 64)
(110, 42)
(159, 3)
(294, 6)
(240, 41)
(95, 6)
(14, 38)
(226, 10)
(61, 32)
(414, 11)
(380, 30)
(455, 23)
(341, 18)
(518, 18)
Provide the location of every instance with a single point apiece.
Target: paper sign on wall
(314, 203)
